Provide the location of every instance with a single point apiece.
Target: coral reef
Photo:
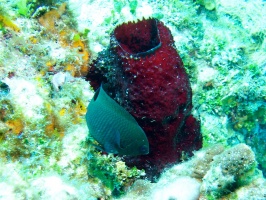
(148, 79)
(255, 190)
(42, 108)
(229, 170)
(217, 167)
(68, 38)
(111, 172)
(203, 160)
(236, 91)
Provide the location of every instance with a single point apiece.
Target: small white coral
(25, 95)
(7, 191)
(52, 187)
(183, 188)
(61, 78)
(12, 185)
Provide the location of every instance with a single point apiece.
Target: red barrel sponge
(143, 72)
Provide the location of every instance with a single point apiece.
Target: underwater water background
(47, 49)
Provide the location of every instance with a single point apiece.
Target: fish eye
(144, 150)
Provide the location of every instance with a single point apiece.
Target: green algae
(111, 171)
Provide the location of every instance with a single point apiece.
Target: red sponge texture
(148, 79)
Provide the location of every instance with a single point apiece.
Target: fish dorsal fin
(98, 147)
(96, 94)
(113, 146)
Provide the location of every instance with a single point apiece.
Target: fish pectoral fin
(106, 148)
(98, 147)
(117, 139)
(110, 147)
(113, 146)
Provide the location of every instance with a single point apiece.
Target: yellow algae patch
(62, 112)
(68, 38)
(48, 20)
(80, 108)
(8, 23)
(53, 128)
(33, 39)
(50, 65)
(16, 126)
(71, 69)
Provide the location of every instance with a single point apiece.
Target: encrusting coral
(203, 160)
(229, 170)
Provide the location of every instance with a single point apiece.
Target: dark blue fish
(114, 128)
